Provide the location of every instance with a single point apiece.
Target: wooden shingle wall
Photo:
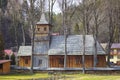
(23, 62)
(75, 61)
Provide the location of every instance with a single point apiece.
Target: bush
(7, 57)
(13, 59)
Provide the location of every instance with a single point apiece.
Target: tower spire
(42, 19)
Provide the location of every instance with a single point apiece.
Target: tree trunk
(84, 32)
(83, 56)
(33, 30)
(23, 35)
(65, 30)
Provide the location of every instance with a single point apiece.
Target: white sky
(56, 7)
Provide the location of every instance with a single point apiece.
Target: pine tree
(13, 59)
(1, 47)
(3, 4)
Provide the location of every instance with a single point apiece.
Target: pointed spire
(42, 20)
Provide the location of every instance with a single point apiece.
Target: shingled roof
(25, 51)
(4, 61)
(74, 45)
(115, 45)
(57, 46)
(42, 20)
(41, 48)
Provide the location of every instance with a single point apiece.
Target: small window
(45, 28)
(61, 61)
(26, 61)
(1, 66)
(38, 29)
(40, 62)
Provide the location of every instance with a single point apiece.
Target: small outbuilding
(4, 66)
(24, 56)
(115, 53)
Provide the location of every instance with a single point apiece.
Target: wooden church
(49, 50)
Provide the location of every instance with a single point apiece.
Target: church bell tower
(42, 31)
(42, 36)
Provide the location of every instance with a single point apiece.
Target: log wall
(5, 68)
(75, 61)
(23, 62)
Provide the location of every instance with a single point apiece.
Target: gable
(25, 51)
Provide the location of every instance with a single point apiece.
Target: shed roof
(115, 45)
(25, 51)
(42, 20)
(8, 51)
(74, 45)
(4, 61)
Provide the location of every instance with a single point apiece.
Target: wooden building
(75, 52)
(42, 41)
(49, 49)
(75, 61)
(4, 66)
(115, 54)
(24, 56)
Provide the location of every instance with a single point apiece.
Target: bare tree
(24, 15)
(110, 27)
(97, 19)
(32, 23)
(64, 6)
(84, 32)
(51, 5)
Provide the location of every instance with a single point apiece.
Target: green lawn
(94, 77)
(63, 76)
(23, 76)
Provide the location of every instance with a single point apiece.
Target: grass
(65, 76)
(22, 76)
(93, 77)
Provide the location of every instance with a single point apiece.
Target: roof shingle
(74, 45)
(115, 45)
(25, 51)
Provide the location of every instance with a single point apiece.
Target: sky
(56, 7)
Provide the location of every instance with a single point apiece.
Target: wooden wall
(5, 68)
(40, 61)
(42, 28)
(56, 61)
(75, 61)
(22, 61)
(101, 61)
(89, 61)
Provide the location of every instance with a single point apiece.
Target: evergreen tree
(7, 57)
(1, 47)
(13, 59)
(3, 4)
